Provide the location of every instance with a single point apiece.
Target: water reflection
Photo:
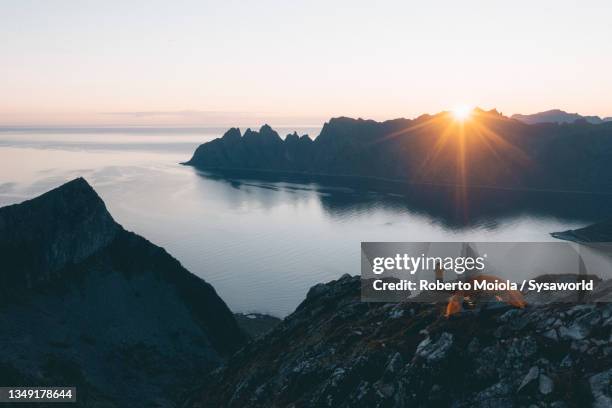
(345, 197)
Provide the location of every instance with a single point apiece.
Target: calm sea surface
(260, 242)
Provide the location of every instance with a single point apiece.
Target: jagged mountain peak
(232, 133)
(75, 198)
(61, 227)
(265, 128)
(87, 300)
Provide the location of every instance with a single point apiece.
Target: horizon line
(243, 124)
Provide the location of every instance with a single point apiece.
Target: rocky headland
(486, 150)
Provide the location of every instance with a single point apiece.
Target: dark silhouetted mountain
(600, 232)
(557, 116)
(84, 302)
(337, 351)
(488, 150)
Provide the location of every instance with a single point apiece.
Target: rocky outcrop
(262, 150)
(337, 351)
(488, 150)
(85, 303)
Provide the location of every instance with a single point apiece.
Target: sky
(217, 63)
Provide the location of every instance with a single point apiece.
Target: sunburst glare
(461, 135)
(462, 112)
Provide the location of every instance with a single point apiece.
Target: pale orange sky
(208, 63)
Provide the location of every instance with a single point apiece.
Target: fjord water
(260, 241)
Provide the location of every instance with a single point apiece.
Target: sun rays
(470, 145)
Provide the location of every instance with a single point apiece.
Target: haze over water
(261, 243)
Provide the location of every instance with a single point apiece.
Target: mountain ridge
(487, 150)
(558, 116)
(101, 308)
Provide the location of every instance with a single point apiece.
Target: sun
(462, 113)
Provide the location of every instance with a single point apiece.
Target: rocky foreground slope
(488, 149)
(336, 351)
(85, 303)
